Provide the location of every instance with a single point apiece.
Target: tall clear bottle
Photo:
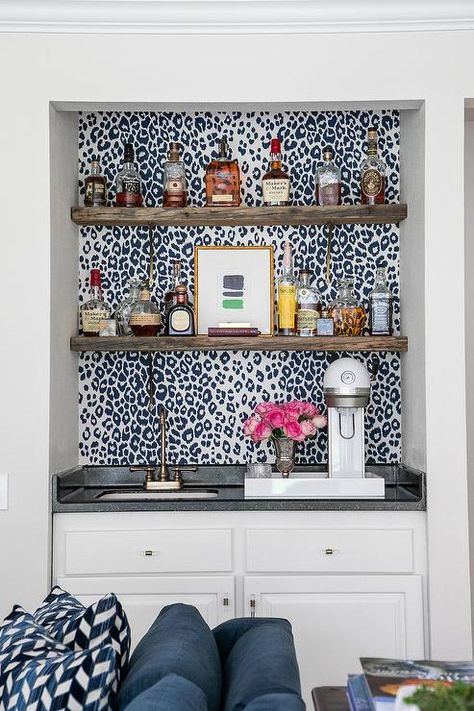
(381, 306)
(328, 181)
(372, 170)
(174, 179)
(287, 287)
(122, 315)
(308, 305)
(128, 184)
(96, 309)
(170, 296)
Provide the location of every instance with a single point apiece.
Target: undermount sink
(142, 495)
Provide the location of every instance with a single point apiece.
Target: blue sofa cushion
(172, 693)
(38, 672)
(178, 642)
(79, 628)
(259, 665)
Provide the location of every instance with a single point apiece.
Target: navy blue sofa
(182, 665)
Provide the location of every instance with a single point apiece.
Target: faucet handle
(148, 468)
(177, 471)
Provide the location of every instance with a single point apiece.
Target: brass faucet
(164, 482)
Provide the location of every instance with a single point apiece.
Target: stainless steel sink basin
(141, 495)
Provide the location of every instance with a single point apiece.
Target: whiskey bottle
(95, 187)
(174, 179)
(96, 309)
(287, 285)
(222, 179)
(170, 296)
(328, 181)
(128, 183)
(372, 173)
(380, 311)
(348, 315)
(275, 183)
(308, 305)
(180, 320)
(145, 319)
(122, 314)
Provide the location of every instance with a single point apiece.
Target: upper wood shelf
(235, 343)
(235, 216)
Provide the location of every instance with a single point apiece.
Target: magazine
(384, 677)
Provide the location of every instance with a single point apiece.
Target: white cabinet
(338, 618)
(143, 598)
(350, 583)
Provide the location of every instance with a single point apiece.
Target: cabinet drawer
(328, 551)
(148, 551)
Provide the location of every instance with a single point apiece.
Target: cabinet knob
(329, 551)
(148, 553)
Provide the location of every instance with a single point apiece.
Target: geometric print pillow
(80, 628)
(38, 672)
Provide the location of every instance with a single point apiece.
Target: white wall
(434, 67)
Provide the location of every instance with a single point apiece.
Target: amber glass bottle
(145, 319)
(372, 179)
(223, 179)
(95, 187)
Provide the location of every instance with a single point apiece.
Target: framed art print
(234, 284)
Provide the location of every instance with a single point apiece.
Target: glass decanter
(122, 315)
(174, 179)
(348, 315)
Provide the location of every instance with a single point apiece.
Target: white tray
(313, 485)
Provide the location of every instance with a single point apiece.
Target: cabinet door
(337, 619)
(143, 598)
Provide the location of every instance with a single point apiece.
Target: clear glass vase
(285, 454)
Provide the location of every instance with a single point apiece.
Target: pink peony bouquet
(295, 419)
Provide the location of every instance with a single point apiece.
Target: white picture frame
(234, 284)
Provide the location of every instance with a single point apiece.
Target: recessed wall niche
(207, 395)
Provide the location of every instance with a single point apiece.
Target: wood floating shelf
(235, 343)
(236, 216)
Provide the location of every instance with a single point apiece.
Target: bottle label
(372, 182)
(94, 189)
(141, 319)
(329, 194)
(306, 319)
(130, 185)
(180, 320)
(380, 316)
(91, 320)
(222, 198)
(175, 186)
(276, 191)
(286, 306)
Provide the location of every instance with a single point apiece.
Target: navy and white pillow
(80, 628)
(39, 672)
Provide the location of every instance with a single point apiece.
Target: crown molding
(233, 16)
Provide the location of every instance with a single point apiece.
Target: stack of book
(233, 328)
(376, 689)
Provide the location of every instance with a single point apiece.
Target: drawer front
(148, 551)
(329, 551)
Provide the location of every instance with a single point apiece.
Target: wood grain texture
(234, 216)
(234, 343)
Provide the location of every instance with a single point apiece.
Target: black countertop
(79, 489)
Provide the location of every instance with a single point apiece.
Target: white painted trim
(233, 16)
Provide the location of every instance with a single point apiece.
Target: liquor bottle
(174, 179)
(348, 315)
(275, 183)
(372, 173)
(328, 181)
(145, 319)
(308, 305)
(325, 325)
(223, 179)
(380, 310)
(128, 183)
(96, 309)
(170, 296)
(122, 314)
(95, 187)
(180, 319)
(287, 285)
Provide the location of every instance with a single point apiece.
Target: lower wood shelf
(259, 343)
